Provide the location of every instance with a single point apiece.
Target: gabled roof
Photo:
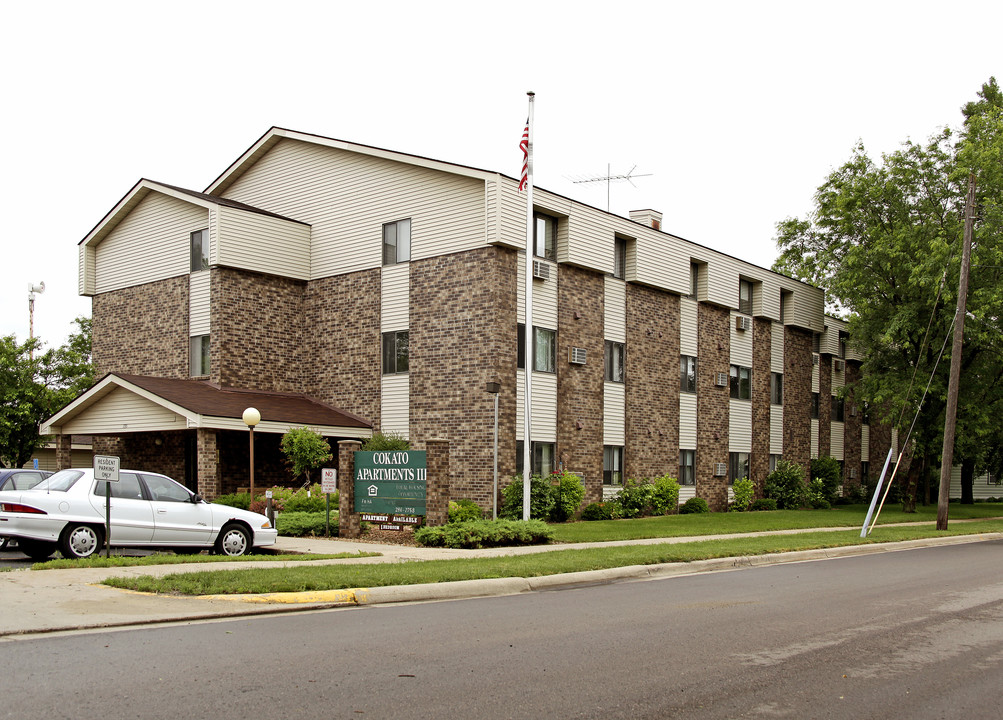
(144, 187)
(275, 134)
(200, 403)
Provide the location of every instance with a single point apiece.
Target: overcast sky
(736, 111)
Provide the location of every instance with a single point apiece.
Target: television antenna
(608, 178)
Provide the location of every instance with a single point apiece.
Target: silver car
(67, 512)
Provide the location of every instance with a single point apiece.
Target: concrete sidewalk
(45, 601)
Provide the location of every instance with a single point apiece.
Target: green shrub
(541, 499)
(568, 495)
(386, 441)
(786, 486)
(743, 490)
(666, 496)
(855, 494)
(237, 500)
(763, 504)
(694, 505)
(817, 493)
(636, 498)
(463, 510)
(827, 471)
(485, 533)
(302, 524)
(596, 511)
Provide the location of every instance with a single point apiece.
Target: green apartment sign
(390, 482)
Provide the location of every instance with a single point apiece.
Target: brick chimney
(651, 218)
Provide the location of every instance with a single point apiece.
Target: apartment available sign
(390, 483)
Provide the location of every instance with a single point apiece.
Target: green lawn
(332, 577)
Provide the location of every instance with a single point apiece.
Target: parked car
(67, 512)
(19, 479)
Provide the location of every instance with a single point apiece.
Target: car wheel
(37, 550)
(79, 541)
(233, 540)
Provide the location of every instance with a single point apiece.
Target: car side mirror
(197, 498)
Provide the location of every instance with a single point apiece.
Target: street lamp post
(494, 388)
(251, 417)
(40, 288)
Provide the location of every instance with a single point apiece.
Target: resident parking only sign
(390, 482)
(106, 468)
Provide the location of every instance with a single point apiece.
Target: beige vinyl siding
(544, 416)
(153, 242)
(777, 430)
(395, 297)
(395, 404)
(686, 492)
(806, 308)
(836, 440)
(511, 215)
(544, 297)
(198, 303)
(829, 342)
(346, 197)
(260, 243)
(688, 327)
(722, 281)
(740, 426)
(614, 414)
(776, 347)
(85, 270)
(814, 378)
(766, 298)
(814, 438)
(865, 443)
(981, 489)
(615, 314)
(662, 260)
(687, 421)
(590, 240)
(123, 411)
(838, 378)
(741, 343)
(895, 441)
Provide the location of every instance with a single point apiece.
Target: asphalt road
(915, 634)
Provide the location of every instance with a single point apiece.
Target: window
(396, 352)
(544, 236)
(776, 389)
(200, 250)
(745, 297)
(199, 355)
(397, 242)
(687, 467)
(544, 349)
(694, 278)
(619, 258)
(542, 457)
(865, 469)
(163, 490)
(838, 409)
(814, 406)
(738, 466)
(842, 344)
(614, 361)
(741, 385)
(785, 299)
(127, 487)
(816, 342)
(774, 459)
(865, 413)
(687, 373)
(612, 465)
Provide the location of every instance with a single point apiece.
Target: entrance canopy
(120, 403)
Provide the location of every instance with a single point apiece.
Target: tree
(32, 388)
(305, 450)
(884, 240)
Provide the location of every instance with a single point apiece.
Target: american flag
(524, 146)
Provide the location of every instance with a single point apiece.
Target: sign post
(328, 485)
(106, 470)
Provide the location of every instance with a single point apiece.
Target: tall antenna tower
(608, 178)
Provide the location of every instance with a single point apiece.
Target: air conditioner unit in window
(814, 358)
(721, 380)
(853, 411)
(743, 323)
(576, 356)
(853, 473)
(541, 270)
(838, 365)
(720, 469)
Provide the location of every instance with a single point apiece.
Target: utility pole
(950, 419)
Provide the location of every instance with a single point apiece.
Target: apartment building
(355, 289)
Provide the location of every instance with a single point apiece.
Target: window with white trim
(614, 361)
(397, 242)
(612, 465)
(200, 250)
(687, 467)
(396, 352)
(199, 355)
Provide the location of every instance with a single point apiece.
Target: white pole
(494, 496)
(527, 450)
(877, 492)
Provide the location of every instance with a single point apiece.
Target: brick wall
(256, 339)
(762, 350)
(797, 397)
(580, 317)
(142, 330)
(463, 335)
(824, 405)
(852, 428)
(341, 353)
(652, 417)
(713, 403)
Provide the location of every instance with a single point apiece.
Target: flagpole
(527, 449)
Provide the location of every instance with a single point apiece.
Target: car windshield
(60, 482)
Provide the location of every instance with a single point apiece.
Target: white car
(67, 512)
